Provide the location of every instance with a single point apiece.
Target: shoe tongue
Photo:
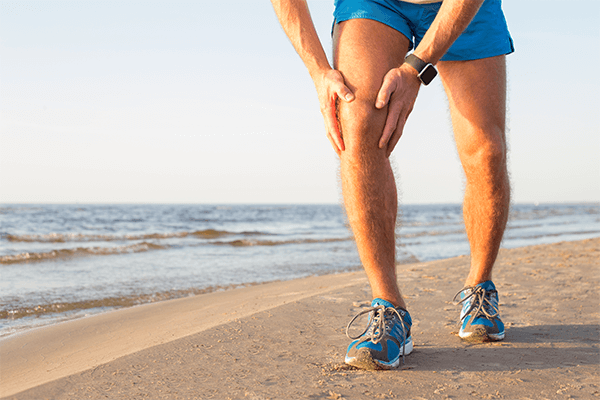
(487, 285)
(381, 302)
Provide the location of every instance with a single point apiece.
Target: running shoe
(384, 340)
(479, 318)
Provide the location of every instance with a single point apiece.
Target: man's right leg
(364, 51)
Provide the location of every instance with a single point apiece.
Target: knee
(486, 155)
(361, 125)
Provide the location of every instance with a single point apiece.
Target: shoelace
(480, 301)
(376, 328)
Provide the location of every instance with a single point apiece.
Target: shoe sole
(481, 336)
(364, 360)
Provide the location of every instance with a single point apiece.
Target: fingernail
(349, 97)
(379, 104)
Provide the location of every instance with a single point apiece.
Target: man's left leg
(476, 93)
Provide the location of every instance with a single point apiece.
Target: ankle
(477, 279)
(475, 282)
(397, 301)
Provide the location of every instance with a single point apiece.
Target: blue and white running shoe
(384, 340)
(480, 319)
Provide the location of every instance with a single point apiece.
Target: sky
(207, 102)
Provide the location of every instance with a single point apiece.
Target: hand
(330, 86)
(399, 91)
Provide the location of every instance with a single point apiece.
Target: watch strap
(415, 62)
(425, 71)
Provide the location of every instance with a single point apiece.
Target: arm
(453, 18)
(401, 85)
(295, 19)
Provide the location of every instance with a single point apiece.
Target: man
(365, 100)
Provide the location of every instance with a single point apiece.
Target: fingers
(387, 88)
(345, 94)
(398, 112)
(398, 92)
(391, 123)
(333, 127)
(397, 135)
(334, 133)
(334, 145)
(330, 86)
(339, 88)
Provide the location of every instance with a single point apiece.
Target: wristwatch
(425, 70)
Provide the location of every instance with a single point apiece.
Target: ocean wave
(146, 246)
(79, 252)
(430, 233)
(251, 242)
(81, 237)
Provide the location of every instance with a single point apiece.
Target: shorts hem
(503, 50)
(342, 18)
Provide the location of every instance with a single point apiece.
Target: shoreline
(56, 360)
(126, 302)
(110, 304)
(26, 353)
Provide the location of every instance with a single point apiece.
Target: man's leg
(477, 95)
(364, 51)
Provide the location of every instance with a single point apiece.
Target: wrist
(319, 75)
(410, 71)
(425, 71)
(318, 69)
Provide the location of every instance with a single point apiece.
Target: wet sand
(286, 340)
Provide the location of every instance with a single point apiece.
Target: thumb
(385, 92)
(344, 93)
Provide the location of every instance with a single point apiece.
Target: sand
(286, 340)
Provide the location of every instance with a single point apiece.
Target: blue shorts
(486, 36)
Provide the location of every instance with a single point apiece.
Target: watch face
(428, 73)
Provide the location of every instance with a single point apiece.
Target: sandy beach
(286, 340)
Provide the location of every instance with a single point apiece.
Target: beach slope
(286, 340)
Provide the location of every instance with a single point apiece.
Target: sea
(60, 262)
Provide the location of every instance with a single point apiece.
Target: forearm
(297, 23)
(453, 18)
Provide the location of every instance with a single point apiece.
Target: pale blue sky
(207, 102)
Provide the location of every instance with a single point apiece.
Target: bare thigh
(476, 93)
(364, 51)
